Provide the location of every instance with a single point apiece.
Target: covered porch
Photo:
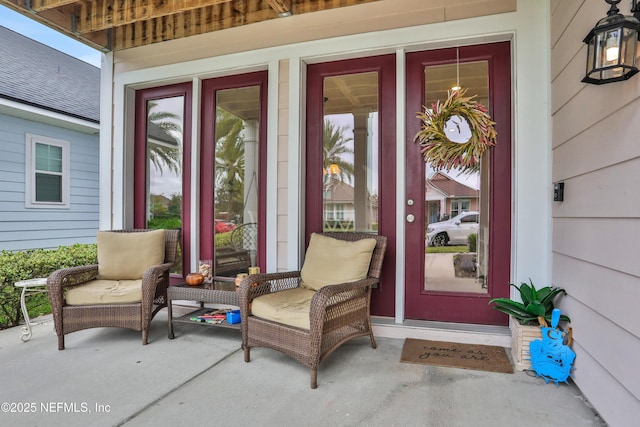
(558, 130)
(106, 378)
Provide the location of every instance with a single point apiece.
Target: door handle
(411, 218)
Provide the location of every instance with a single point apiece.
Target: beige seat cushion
(290, 307)
(126, 256)
(331, 261)
(105, 292)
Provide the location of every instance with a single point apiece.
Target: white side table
(29, 287)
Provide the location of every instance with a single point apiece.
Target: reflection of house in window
(160, 200)
(446, 197)
(158, 136)
(459, 206)
(340, 211)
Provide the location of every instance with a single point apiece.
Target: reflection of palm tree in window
(335, 146)
(229, 158)
(164, 150)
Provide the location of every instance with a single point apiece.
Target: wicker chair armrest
(66, 277)
(331, 291)
(72, 276)
(251, 285)
(150, 280)
(256, 285)
(331, 295)
(152, 274)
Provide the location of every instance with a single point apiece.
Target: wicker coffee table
(218, 292)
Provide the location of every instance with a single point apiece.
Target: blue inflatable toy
(550, 357)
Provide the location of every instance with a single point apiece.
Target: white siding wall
(283, 165)
(596, 229)
(22, 228)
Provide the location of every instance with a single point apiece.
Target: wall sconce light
(612, 46)
(332, 169)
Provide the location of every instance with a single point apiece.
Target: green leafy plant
(535, 303)
(27, 264)
(472, 242)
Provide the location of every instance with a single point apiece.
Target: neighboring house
(377, 63)
(160, 200)
(49, 146)
(340, 211)
(447, 197)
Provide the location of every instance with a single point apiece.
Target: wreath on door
(455, 133)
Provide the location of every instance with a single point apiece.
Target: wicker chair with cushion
(125, 289)
(307, 314)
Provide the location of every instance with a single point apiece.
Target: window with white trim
(459, 206)
(47, 172)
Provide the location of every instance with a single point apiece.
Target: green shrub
(32, 263)
(535, 303)
(168, 223)
(223, 239)
(445, 249)
(472, 241)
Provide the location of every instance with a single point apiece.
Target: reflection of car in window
(223, 226)
(454, 231)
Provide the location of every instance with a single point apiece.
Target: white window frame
(30, 172)
(339, 212)
(457, 209)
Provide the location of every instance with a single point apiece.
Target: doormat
(455, 355)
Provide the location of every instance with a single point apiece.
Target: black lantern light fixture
(613, 46)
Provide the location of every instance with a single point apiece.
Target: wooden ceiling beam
(99, 15)
(121, 24)
(40, 5)
(192, 22)
(60, 20)
(281, 7)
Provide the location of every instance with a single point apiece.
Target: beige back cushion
(332, 261)
(126, 256)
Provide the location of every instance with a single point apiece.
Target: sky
(45, 35)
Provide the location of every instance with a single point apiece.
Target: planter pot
(521, 337)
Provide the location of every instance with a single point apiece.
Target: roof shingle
(38, 75)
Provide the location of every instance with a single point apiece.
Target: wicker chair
(136, 316)
(338, 312)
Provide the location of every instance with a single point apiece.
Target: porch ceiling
(120, 24)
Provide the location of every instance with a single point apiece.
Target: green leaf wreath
(444, 154)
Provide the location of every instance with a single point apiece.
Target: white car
(454, 231)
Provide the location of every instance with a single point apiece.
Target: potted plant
(537, 304)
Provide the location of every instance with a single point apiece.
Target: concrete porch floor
(106, 377)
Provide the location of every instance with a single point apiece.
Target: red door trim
(140, 159)
(448, 306)
(209, 89)
(383, 298)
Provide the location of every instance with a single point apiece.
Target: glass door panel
(235, 189)
(457, 203)
(350, 153)
(232, 173)
(165, 122)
